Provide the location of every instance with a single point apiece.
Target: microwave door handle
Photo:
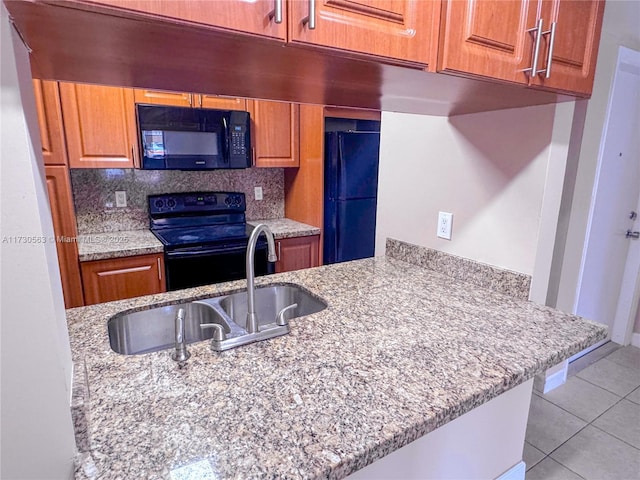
(225, 133)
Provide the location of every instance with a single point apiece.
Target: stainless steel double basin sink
(153, 330)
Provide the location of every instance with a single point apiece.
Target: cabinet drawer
(119, 278)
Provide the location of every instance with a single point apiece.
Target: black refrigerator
(350, 195)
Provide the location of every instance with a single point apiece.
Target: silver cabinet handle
(279, 250)
(537, 32)
(277, 13)
(552, 39)
(159, 269)
(310, 20)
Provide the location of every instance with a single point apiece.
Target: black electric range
(205, 237)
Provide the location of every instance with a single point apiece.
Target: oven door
(203, 266)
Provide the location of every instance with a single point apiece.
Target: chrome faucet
(181, 354)
(252, 319)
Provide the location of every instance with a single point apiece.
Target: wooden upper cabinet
(276, 132)
(223, 103)
(256, 16)
(195, 100)
(64, 225)
(578, 24)
(99, 126)
(159, 97)
(497, 39)
(54, 150)
(399, 29)
(488, 38)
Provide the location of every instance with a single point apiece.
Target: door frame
(629, 61)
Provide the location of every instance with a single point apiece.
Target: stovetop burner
(203, 235)
(199, 218)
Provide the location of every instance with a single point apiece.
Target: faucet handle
(219, 335)
(280, 320)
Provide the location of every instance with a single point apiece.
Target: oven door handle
(207, 251)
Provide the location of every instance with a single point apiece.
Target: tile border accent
(480, 274)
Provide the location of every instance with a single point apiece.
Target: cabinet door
(400, 29)
(255, 16)
(223, 103)
(64, 227)
(297, 253)
(54, 150)
(488, 38)
(575, 47)
(118, 278)
(99, 126)
(275, 132)
(164, 98)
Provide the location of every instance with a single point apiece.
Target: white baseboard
(517, 472)
(556, 379)
(635, 340)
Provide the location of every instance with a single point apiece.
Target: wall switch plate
(258, 193)
(121, 199)
(444, 225)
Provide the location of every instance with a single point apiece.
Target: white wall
(37, 439)
(621, 26)
(488, 169)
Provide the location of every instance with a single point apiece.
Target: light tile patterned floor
(588, 428)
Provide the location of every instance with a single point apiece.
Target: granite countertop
(285, 228)
(102, 246)
(399, 351)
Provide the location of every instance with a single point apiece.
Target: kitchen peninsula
(400, 351)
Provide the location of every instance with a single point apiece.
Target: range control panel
(196, 202)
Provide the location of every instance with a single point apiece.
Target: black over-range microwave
(177, 138)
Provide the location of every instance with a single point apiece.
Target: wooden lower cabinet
(64, 229)
(119, 278)
(298, 253)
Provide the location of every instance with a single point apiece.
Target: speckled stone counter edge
(479, 274)
(129, 243)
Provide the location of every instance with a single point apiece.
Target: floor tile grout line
(572, 471)
(587, 425)
(600, 386)
(617, 437)
(573, 414)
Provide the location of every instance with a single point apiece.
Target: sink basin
(269, 301)
(152, 330)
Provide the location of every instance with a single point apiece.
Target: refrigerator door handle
(336, 237)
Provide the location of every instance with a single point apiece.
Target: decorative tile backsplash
(95, 203)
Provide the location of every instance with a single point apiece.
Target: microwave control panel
(238, 140)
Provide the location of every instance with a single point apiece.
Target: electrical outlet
(444, 225)
(258, 193)
(121, 199)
